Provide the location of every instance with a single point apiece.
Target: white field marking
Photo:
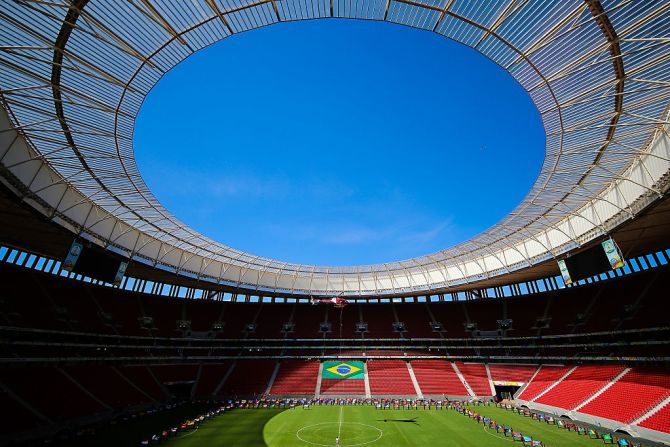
(188, 434)
(342, 445)
(497, 435)
(339, 428)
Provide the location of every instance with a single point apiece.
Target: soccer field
(367, 426)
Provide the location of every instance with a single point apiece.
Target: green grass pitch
(365, 426)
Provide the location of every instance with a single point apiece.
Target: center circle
(338, 142)
(352, 434)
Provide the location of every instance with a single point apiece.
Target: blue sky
(339, 142)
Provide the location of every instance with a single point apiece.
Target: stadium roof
(74, 74)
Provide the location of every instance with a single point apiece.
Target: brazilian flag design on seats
(343, 370)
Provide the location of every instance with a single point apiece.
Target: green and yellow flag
(343, 370)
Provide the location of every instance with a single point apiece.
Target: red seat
(437, 377)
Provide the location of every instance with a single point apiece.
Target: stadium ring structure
(74, 74)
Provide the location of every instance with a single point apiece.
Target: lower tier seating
(354, 387)
(296, 377)
(390, 377)
(50, 392)
(19, 418)
(579, 385)
(659, 421)
(511, 373)
(108, 385)
(142, 376)
(437, 377)
(248, 378)
(475, 375)
(175, 373)
(545, 377)
(210, 377)
(633, 395)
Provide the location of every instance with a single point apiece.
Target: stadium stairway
(636, 400)
(412, 377)
(546, 375)
(648, 386)
(438, 378)
(317, 390)
(146, 380)
(579, 385)
(271, 382)
(462, 379)
(107, 386)
(554, 384)
(603, 389)
(85, 390)
(210, 377)
(366, 382)
(525, 385)
(224, 379)
(488, 376)
(658, 418)
(22, 417)
(477, 377)
(198, 377)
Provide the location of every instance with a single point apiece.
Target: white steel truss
(74, 73)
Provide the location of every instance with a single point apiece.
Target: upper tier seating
(524, 314)
(380, 321)
(452, 317)
(475, 375)
(307, 319)
(296, 377)
(546, 376)
(390, 377)
(271, 319)
(416, 319)
(485, 313)
(650, 307)
(343, 321)
(52, 302)
(437, 377)
(634, 394)
(165, 313)
(236, 317)
(202, 314)
(579, 385)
